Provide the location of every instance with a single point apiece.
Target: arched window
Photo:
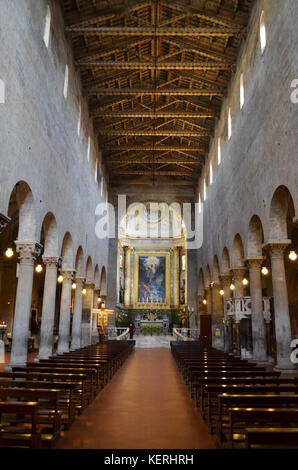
(66, 77)
(89, 148)
(229, 124)
(2, 92)
(47, 29)
(241, 91)
(263, 38)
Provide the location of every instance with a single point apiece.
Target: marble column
(176, 274)
(238, 337)
(77, 315)
(226, 280)
(217, 319)
(28, 251)
(281, 305)
(257, 317)
(238, 275)
(65, 308)
(94, 331)
(48, 307)
(127, 279)
(86, 317)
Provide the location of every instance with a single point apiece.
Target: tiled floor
(145, 406)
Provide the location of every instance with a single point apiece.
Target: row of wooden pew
(245, 405)
(41, 399)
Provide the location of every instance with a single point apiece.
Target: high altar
(151, 270)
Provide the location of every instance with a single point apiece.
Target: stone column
(217, 319)
(257, 317)
(127, 279)
(281, 305)
(48, 307)
(94, 331)
(238, 274)
(65, 307)
(238, 338)
(28, 251)
(77, 315)
(86, 317)
(225, 280)
(176, 276)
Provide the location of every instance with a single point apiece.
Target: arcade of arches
(167, 103)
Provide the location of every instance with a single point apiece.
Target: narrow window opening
(205, 190)
(263, 36)
(66, 77)
(2, 92)
(229, 124)
(47, 29)
(218, 151)
(241, 91)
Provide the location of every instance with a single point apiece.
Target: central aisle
(145, 406)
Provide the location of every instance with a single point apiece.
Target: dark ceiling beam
(193, 46)
(153, 92)
(115, 31)
(152, 115)
(164, 132)
(154, 66)
(158, 148)
(110, 48)
(158, 173)
(150, 182)
(190, 9)
(92, 14)
(138, 161)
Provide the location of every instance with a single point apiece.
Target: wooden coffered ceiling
(155, 74)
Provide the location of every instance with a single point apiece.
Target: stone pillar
(281, 305)
(94, 331)
(77, 315)
(48, 307)
(65, 308)
(238, 338)
(217, 319)
(257, 317)
(28, 251)
(225, 280)
(238, 274)
(86, 317)
(176, 273)
(127, 280)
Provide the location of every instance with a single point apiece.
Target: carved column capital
(28, 251)
(89, 285)
(79, 282)
(51, 261)
(4, 221)
(238, 272)
(255, 263)
(225, 279)
(277, 248)
(67, 274)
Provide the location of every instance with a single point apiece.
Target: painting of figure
(152, 279)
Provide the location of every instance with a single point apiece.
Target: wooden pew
(233, 434)
(79, 392)
(48, 414)
(210, 406)
(66, 405)
(275, 437)
(19, 436)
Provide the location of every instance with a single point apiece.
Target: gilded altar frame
(151, 305)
